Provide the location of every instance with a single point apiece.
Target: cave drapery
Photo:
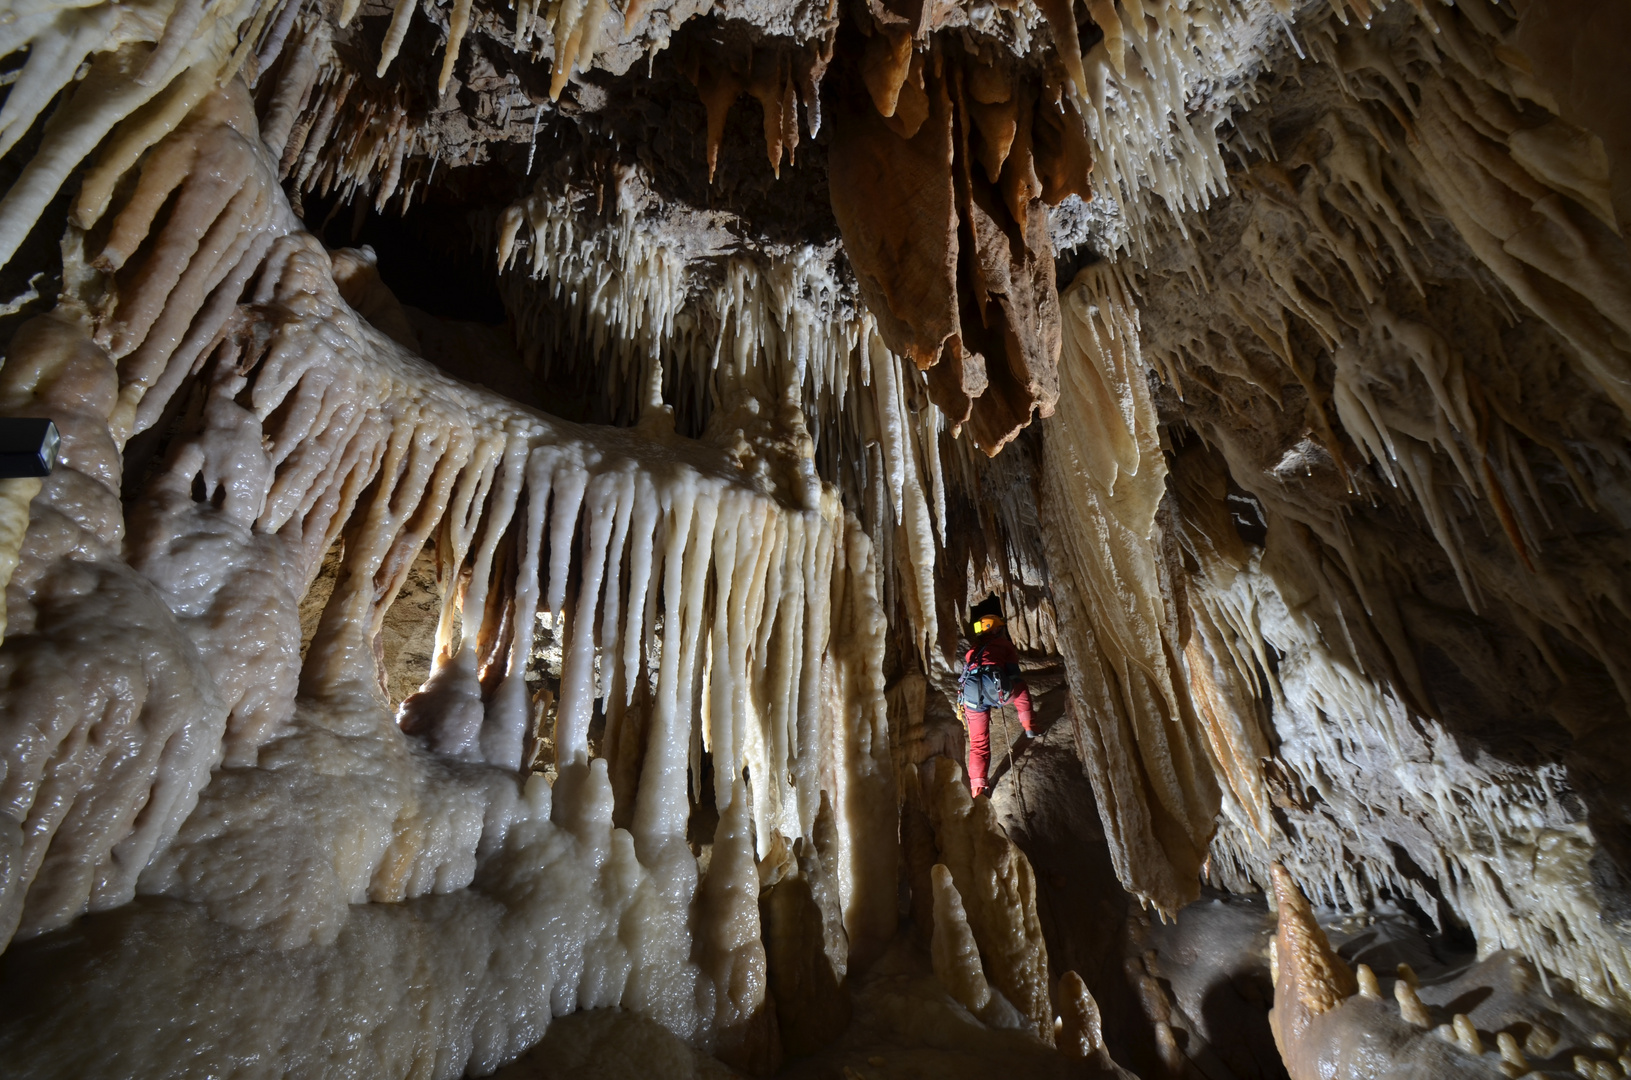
(525, 472)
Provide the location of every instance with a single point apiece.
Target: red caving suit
(991, 660)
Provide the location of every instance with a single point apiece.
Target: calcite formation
(1330, 1020)
(525, 473)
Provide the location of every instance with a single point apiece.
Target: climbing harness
(982, 685)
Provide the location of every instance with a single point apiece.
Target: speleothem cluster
(525, 472)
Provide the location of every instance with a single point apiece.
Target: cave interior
(528, 474)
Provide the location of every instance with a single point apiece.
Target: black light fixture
(28, 447)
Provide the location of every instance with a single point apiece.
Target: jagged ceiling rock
(1027, 124)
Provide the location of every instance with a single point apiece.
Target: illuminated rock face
(379, 684)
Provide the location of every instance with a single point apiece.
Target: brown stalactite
(1003, 358)
(894, 203)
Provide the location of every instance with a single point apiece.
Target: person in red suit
(990, 679)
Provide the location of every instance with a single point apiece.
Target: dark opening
(431, 257)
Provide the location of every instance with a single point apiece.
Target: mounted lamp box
(28, 447)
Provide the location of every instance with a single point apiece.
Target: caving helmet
(987, 615)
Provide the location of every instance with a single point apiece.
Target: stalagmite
(1368, 985)
(1314, 979)
(1410, 1005)
(1511, 1053)
(956, 957)
(1466, 1036)
(730, 951)
(16, 493)
(997, 889)
(93, 647)
(1082, 1030)
(807, 952)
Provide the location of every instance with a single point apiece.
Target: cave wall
(1390, 431)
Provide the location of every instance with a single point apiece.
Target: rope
(1013, 761)
(1002, 711)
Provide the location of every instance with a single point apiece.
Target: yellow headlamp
(987, 623)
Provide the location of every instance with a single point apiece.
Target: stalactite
(786, 330)
(955, 274)
(1103, 465)
(134, 60)
(1158, 155)
(769, 75)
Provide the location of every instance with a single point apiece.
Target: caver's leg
(979, 748)
(1020, 695)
